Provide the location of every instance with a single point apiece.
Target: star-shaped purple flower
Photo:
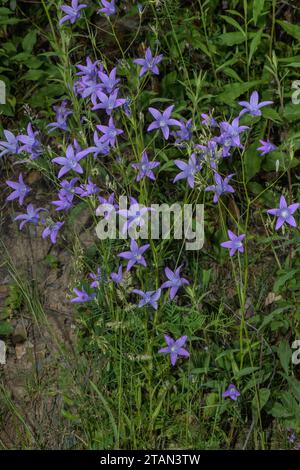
(235, 243)
(109, 132)
(135, 255)
(284, 213)
(73, 12)
(149, 63)
(253, 107)
(109, 103)
(174, 282)
(109, 82)
(231, 392)
(82, 296)
(30, 143)
(87, 189)
(69, 162)
(107, 206)
(145, 167)
(230, 135)
(163, 121)
(135, 215)
(266, 147)
(109, 8)
(10, 145)
(52, 231)
(221, 186)
(118, 276)
(99, 148)
(20, 190)
(32, 216)
(188, 170)
(96, 278)
(148, 298)
(62, 113)
(175, 348)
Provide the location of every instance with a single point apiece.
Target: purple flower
(188, 170)
(62, 113)
(230, 135)
(253, 107)
(82, 296)
(163, 121)
(10, 145)
(175, 348)
(117, 277)
(32, 216)
(145, 167)
(284, 213)
(89, 71)
(31, 144)
(88, 189)
(266, 147)
(109, 132)
(134, 215)
(99, 148)
(52, 231)
(109, 8)
(109, 82)
(72, 13)
(109, 103)
(149, 63)
(210, 153)
(175, 281)
(65, 195)
(221, 186)
(184, 133)
(235, 243)
(148, 298)
(107, 206)
(231, 392)
(97, 278)
(20, 190)
(135, 255)
(208, 120)
(69, 162)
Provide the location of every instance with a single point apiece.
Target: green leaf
(292, 29)
(254, 44)
(258, 6)
(285, 354)
(6, 329)
(233, 90)
(263, 397)
(252, 160)
(232, 39)
(29, 41)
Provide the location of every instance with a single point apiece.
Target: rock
(2, 352)
(20, 334)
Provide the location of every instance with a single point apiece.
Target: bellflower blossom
(117, 277)
(230, 135)
(90, 71)
(231, 392)
(145, 167)
(20, 190)
(96, 278)
(109, 132)
(235, 243)
(174, 282)
(175, 348)
(106, 206)
(108, 81)
(163, 121)
(87, 189)
(108, 103)
(82, 296)
(266, 147)
(221, 186)
(62, 113)
(109, 8)
(10, 145)
(73, 12)
(32, 216)
(52, 231)
(65, 195)
(99, 148)
(149, 63)
(253, 107)
(188, 170)
(135, 255)
(134, 215)
(148, 298)
(284, 213)
(69, 162)
(30, 143)
(184, 134)
(208, 121)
